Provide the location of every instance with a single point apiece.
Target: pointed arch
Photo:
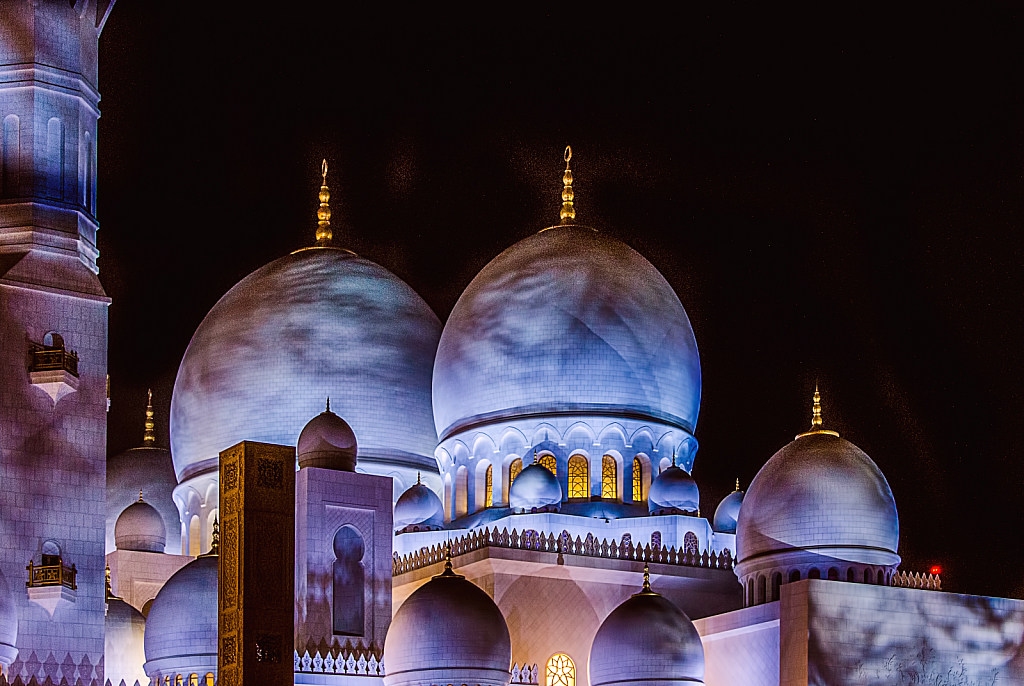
(611, 432)
(483, 484)
(609, 478)
(513, 440)
(483, 445)
(461, 492)
(545, 432)
(548, 461)
(643, 439)
(448, 497)
(581, 427)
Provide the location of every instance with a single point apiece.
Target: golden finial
(568, 213)
(646, 590)
(448, 572)
(140, 495)
(149, 436)
(816, 426)
(214, 539)
(418, 482)
(737, 483)
(108, 591)
(323, 214)
(535, 456)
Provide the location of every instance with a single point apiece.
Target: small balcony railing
(46, 359)
(51, 575)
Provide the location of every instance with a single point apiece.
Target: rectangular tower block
(256, 587)
(343, 562)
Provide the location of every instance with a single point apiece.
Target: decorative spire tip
(816, 424)
(328, 404)
(149, 436)
(568, 213)
(140, 495)
(323, 213)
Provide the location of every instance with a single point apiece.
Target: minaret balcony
(50, 584)
(54, 370)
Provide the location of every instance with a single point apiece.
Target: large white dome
(313, 324)
(566, 321)
(819, 494)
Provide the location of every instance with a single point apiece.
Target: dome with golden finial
(319, 322)
(571, 321)
(819, 503)
(147, 468)
(728, 511)
(646, 640)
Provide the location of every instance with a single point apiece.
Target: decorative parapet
(524, 675)
(338, 661)
(563, 545)
(928, 582)
(53, 358)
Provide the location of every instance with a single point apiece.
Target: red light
(936, 570)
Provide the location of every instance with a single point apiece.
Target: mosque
(505, 497)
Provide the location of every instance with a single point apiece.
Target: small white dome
(673, 491)
(419, 507)
(140, 527)
(535, 487)
(728, 512)
(646, 640)
(448, 632)
(8, 624)
(181, 630)
(327, 441)
(821, 494)
(124, 651)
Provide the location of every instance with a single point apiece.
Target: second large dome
(316, 323)
(567, 320)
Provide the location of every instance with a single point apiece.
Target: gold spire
(646, 590)
(215, 540)
(323, 214)
(448, 572)
(149, 436)
(673, 457)
(418, 482)
(816, 425)
(535, 456)
(108, 591)
(140, 495)
(737, 483)
(568, 213)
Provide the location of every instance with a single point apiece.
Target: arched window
(10, 142)
(833, 574)
(547, 460)
(193, 536)
(776, 585)
(609, 487)
(794, 576)
(489, 487)
(850, 575)
(193, 680)
(461, 492)
(178, 680)
(579, 479)
(54, 158)
(560, 671)
(638, 480)
(762, 590)
(690, 543)
(209, 679)
(514, 469)
(867, 576)
(750, 593)
(881, 578)
(349, 580)
(815, 573)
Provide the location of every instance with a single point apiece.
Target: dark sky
(833, 197)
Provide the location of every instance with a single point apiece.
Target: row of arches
(576, 474)
(53, 163)
(758, 592)
(192, 680)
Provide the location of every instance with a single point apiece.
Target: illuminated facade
(521, 468)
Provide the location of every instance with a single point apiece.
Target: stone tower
(53, 337)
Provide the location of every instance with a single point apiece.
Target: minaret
(53, 332)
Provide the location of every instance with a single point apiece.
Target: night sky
(835, 198)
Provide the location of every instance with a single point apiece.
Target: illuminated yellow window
(514, 469)
(579, 479)
(548, 462)
(638, 480)
(193, 680)
(608, 478)
(209, 679)
(560, 671)
(178, 681)
(489, 487)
